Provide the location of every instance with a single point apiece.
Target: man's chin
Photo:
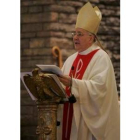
(76, 47)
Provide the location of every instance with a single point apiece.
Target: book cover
(50, 69)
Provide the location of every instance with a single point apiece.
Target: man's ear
(92, 38)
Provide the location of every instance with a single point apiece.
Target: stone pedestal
(47, 120)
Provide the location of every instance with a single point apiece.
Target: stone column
(47, 120)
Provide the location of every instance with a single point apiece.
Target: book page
(50, 69)
(58, 82)
(23, 74)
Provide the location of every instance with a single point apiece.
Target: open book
(54, 85)
(50, 69)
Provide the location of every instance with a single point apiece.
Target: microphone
(72, 98)
(72, 68)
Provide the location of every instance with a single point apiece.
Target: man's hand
(65, 80)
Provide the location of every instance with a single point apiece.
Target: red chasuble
(77, 71)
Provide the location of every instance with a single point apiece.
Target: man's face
(82, 40)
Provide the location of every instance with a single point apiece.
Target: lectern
(46, 88)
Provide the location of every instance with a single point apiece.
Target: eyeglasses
(79, 34)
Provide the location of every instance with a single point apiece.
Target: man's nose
(75, 36)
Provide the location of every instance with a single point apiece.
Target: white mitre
(89, 19)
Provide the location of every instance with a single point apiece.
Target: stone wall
(48, 23)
